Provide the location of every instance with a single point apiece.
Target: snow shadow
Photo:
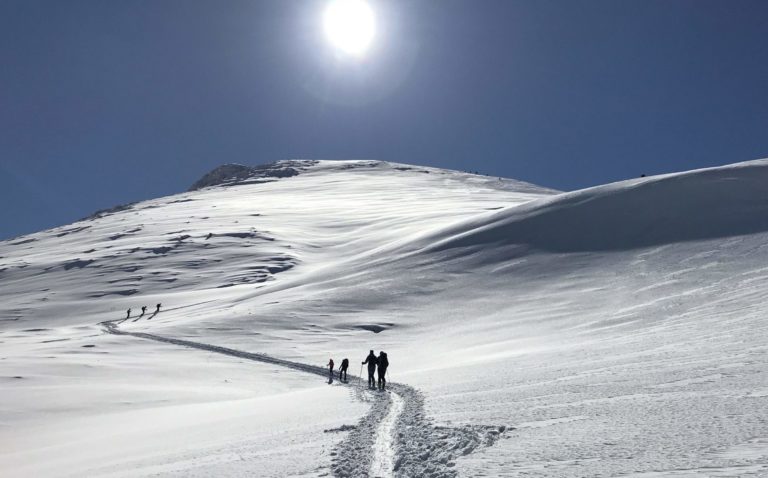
(698, 205)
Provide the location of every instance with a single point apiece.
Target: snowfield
(615, 331)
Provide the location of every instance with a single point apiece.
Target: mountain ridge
(495, 300)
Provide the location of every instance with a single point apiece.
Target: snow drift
(696, 205)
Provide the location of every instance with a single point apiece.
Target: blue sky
(105, 102)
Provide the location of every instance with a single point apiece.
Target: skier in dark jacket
(383, 364)
(330, 370)
(343, 370)
(372, 361)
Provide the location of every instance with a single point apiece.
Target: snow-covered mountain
(614, 331)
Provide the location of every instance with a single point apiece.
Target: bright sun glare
(349, 25)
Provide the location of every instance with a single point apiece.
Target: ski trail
(384, 446)
(112, 328)
(393, 440)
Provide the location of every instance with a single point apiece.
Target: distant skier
(158, 308)
(343, 370)
(383, 364)
(129, 314)
(143, 311)
(372, 361)
(330, 370)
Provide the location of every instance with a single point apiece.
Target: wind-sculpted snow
(418, 448)
(697, 205)
(237, 230)
(615, 331)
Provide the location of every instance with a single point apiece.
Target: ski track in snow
(395, 439)
(383, 448)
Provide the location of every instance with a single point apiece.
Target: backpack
(383, 361)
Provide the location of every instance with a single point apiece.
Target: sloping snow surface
(614, 331)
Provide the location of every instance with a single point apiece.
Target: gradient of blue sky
(104, 102)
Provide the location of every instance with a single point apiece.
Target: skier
(143, 310)
(330, 371)
(372, 361)
(158, 308)
(129, 314)
(383, 364)
(343, 370)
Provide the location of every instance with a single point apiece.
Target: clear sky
(104, 102)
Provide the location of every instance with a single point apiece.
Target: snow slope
(614, 331)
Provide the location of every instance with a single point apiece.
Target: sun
(350, 26)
